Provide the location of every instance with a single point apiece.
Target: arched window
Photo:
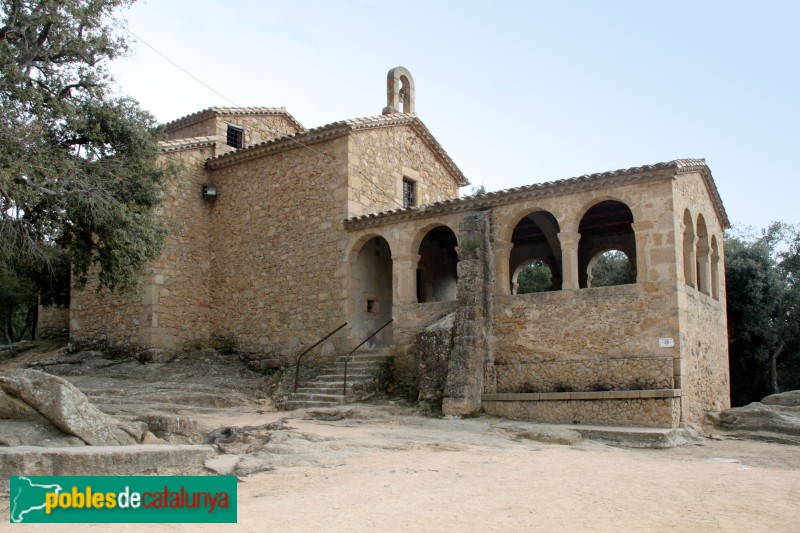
(612, 267)
(532, 276)
(437, 273)
(689, 262)
(605, 227)
(535, 240)
(703, 256)
(714, 268)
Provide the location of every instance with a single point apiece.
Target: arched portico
(606, 225)
(371, 288)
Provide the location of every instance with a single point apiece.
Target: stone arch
(573, 223)
(371, 290)
(620, 277)
(606, 225)
(689, 268)
(399, 91)
(437, 271)
(702, 254)
(714, 268)
(535, 237)
(515, 284)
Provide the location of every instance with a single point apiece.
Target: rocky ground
(383, 466)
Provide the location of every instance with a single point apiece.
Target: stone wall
(647, 412)
(609, 322)
(172, 307)
(703, 373)
(278, 249)
(52, 322)
(380, 159)
(606, 374)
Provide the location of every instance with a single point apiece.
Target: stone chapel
(283, 233)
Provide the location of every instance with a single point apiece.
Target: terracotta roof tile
(217, 111)
(562, 186)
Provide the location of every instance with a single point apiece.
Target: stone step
(339, 378)
(301, 404)
(312, 397)
(364, 358)
(311, 388)
(366, 365)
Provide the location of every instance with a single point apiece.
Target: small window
(409, 193)
(235, 136)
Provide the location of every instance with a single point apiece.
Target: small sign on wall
(666, 342)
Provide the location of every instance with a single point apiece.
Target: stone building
(283, 233)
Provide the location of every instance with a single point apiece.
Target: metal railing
(323, 339)
(346, 357)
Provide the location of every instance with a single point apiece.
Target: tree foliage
(611, 268)
(762, 273)
(78, 164)
(534, 277)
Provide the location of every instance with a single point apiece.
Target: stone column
(502, 251)
(569, 259)
(703, 273)
(640, 238)
(689, 260)
(404, 278)
(466, 367)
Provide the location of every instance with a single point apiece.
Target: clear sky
(517, 92)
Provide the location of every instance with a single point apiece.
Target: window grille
(235, 137)
(409, 193)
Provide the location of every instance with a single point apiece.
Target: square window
(409, 193)
(235, 136)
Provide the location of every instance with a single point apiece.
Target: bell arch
(399, 91)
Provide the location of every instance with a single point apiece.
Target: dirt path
(385, 470)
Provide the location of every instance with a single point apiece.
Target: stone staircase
(363, 369)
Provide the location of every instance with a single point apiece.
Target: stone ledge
(146, 459)
(561, 396)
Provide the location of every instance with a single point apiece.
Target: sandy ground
(385, 470)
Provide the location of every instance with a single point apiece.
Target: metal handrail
(344, 385)
(323, 339)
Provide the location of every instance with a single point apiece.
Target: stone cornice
(516, 194)
(194, 118)
(190, 143)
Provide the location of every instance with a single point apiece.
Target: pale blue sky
(516, 92)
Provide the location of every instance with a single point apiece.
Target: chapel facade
(282, 233)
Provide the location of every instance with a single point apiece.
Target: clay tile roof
(222, 111)
(338, 129)
(185, 144)
(562, 186)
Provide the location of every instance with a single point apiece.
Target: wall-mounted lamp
(210, 192)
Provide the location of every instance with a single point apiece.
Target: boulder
(787, 399)
(757, 417)
(164, 426)
(155, 355)
(64, 406)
